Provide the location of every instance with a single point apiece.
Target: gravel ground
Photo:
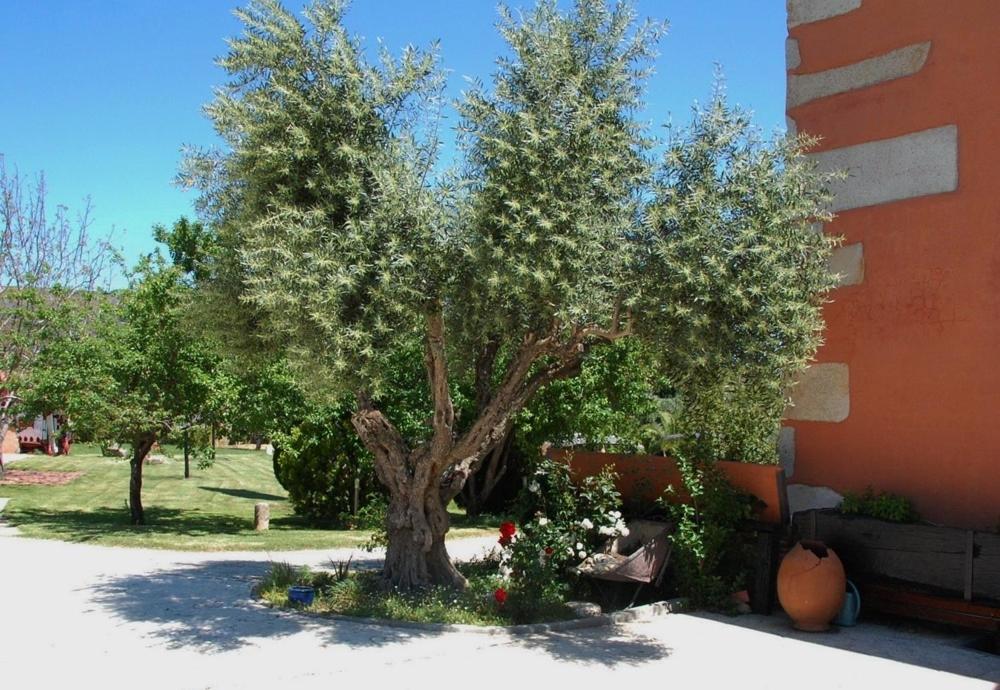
(80, 616)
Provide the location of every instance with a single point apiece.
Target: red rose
(508, 529)
(500, 595)
(504, 540)
(548, 550)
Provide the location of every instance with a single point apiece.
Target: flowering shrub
(563, 524)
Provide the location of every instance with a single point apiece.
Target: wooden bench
(646, 477)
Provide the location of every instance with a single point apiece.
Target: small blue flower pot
(301, 594)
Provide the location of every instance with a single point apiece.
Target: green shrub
(319, 461)
(709, 557)
(279, 577)
(882, 505)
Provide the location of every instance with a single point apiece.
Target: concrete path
(79, 616)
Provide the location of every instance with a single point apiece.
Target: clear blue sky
(101, 94)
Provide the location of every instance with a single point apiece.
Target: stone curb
(636, 614)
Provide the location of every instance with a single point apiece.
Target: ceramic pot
(811, 585)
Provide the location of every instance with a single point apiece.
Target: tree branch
(385, 443)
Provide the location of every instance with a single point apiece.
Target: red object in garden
(507, 532)
(500, 595)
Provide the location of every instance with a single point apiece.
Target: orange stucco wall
(646, 477)
(921, 331)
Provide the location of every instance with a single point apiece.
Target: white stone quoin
(896, 64)
(885, 170)
(806, 11)
(822, 394)
(848, 263)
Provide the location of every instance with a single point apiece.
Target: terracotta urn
(811, 585)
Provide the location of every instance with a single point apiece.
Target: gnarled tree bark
(423, 480)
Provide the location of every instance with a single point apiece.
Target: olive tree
(561, 233)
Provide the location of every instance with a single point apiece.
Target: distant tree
(189, 244)
(50, 267)
(268, 400)
(558, 239)
(137, 374)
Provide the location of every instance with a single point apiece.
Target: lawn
(211, 511)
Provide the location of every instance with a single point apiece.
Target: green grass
(359, 594)
(211, 511)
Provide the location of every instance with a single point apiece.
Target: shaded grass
(361, 594)
(210, 511)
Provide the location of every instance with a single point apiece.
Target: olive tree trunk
(416, 556)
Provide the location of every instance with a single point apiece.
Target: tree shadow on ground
(86, 525)
(605, 646)
(905, 642)
(208, 606)
(244, 493)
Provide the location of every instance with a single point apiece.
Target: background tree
(337, 241)
(269, 400)
(50, 267)
(134, 376)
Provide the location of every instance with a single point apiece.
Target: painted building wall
(905, 394)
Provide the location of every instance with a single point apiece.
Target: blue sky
(101, 94)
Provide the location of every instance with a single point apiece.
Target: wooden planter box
(939, 573)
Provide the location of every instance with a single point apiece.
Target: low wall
(646, 477)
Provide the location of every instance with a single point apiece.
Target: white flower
(543, 521)
(623, 531)
(533, 487)
(505, 571)
(615, 514)
(579, 545)
(606, 531)
(569, 550)
(582, 554)
(586, 524)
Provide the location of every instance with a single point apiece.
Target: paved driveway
(79, 616)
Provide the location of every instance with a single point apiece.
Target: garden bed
(37, 478)
(358, 595)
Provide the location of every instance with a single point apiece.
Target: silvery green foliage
(556, 161)
(737, 274)
(340, 242)
(322, 198)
